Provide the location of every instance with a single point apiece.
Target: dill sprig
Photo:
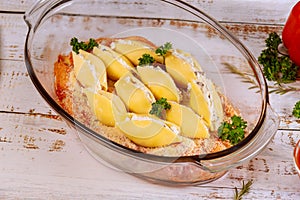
(244, 190)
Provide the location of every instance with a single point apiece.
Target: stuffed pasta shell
(107, 107)
(134, 48)
(116, 64)
(136, 96)
(191, 125)
(159, 82)
(89, 70)
(149, 131)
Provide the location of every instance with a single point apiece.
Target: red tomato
(294, 49)
(291, 34)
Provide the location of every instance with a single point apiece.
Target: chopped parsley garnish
(234, 132)
(277, 67)
(296, 110)
(159, 106)
(146, 59)
(76, 45)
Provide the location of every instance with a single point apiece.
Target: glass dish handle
(255, 146)
(32, 15)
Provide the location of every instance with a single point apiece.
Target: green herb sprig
(146, 59)
(296, 110)
(233, 131)
(162, 50)
(277, 67)
(76, 45)
(249, 78)
(159, 106)
(244, 190)
(245, 77)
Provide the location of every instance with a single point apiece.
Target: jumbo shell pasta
(134, 49)
(89, 70)
(149, 131)
(180, 69)
(136, 96)
(119, 94)
(159, 82)
(191, 124)
(116, 64)
(107, 107)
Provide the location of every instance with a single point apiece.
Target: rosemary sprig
(249, 78)
(246, 78)
(280, 89)
(244, 190)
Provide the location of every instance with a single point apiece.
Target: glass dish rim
(128, 151)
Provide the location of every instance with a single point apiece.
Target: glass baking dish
(52, 23)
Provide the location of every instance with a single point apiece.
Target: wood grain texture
(255, 11)
(12, 42)
(45, 148)
(14, 80)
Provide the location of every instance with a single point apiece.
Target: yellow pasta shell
(134, 50)
(89, 70)
(108, 108)
(116, 64)
(198, 102)
(180, 70)
(99, 68)
(148, 132)
(159, 82)
(191, 124)
(196, 64)
(136, 96)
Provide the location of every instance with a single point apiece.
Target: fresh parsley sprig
(76, 45)
(162, 50)
(233, 131)
(277, 67)
(244, 190)
(146, 59)
(159, 106)
(296, 110)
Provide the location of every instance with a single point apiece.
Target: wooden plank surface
(41, 158)
(265, 12)
(45, 148)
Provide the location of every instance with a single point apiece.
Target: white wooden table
(41, 159)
